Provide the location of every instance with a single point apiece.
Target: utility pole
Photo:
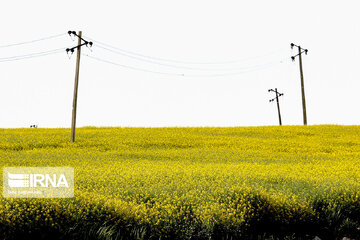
(301, 50)
(78, 47)
(277, 102)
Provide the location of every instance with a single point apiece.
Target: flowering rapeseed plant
(189, 182)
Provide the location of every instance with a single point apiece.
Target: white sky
(40, 90)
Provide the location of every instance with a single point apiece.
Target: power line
(178, 74)
(260, 68)
(31, 55)
(33, 41)
(180, 62)
(178, 67)
(130, 67)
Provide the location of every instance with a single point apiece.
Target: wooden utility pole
(278, 106)
(277, 102)
(78, 47)
(301, 50)
(302, 87)
(73, 119)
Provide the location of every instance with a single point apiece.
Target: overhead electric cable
(176, 66)
(180, 62)
(31, 55)
(33, 41)
(179, 74)
(130, 67)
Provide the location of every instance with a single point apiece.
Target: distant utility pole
(78, 47)
(277, 101)
(301, 50)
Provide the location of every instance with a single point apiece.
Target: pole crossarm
(74, 33)
(79, 45)
(292, 45)
(277, 94)
(302, 50)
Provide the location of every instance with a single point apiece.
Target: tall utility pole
(277, 102)
(301, 50)
(78, 47)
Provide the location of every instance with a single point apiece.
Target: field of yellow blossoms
(289, 182)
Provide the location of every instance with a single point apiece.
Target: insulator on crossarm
(89, 47)
(71, 52)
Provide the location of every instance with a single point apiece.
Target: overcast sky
(185, 63)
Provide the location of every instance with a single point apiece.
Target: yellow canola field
(143, 183)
